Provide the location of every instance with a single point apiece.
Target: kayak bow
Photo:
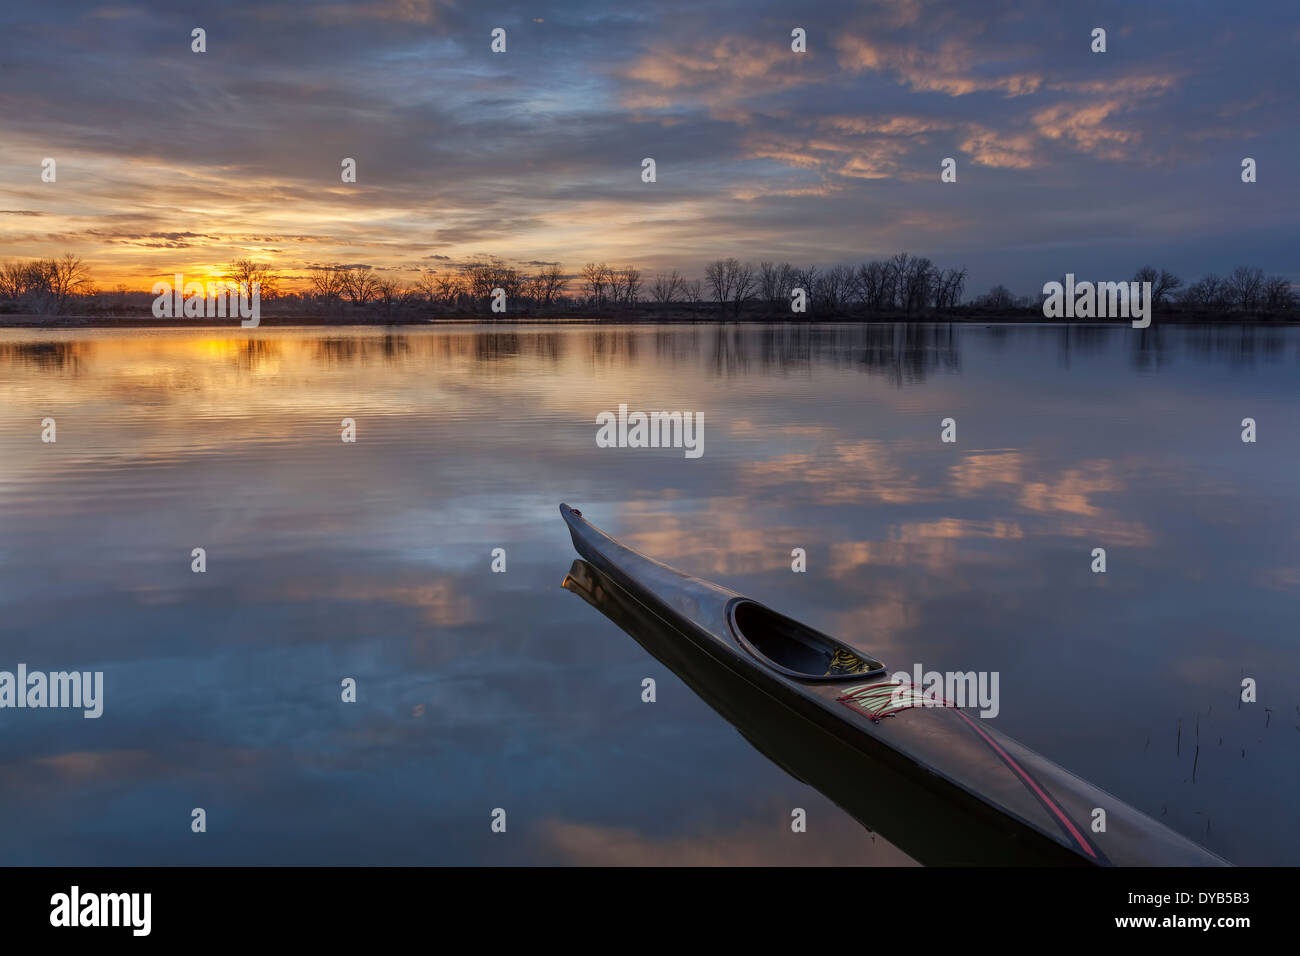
(939, 782)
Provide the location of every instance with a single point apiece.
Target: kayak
(936, 780)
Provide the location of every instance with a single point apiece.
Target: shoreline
(1026, 317)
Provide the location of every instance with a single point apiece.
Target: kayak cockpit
(794, 649)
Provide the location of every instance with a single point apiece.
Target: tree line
(902, 285)
(45, 285)
(1245, 289)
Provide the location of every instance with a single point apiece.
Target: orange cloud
(724, 71)
(886, 126)
(1089, 128)
(950, 69)
(989, 147)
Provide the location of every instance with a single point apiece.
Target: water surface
(477, 690)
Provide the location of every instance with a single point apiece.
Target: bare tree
(719, 279)
(608, 278)
(630, 284)
(478, 280)
(533, 287)
(1165, 288)
(19, 281)
(552, 280)
(1244, 287)
(359, 284)
(614, 279)
(327, 284)
(998, 297)
(11, 281)
(899, 266)
(940, 290)
(731, 282)
(412, 298)
(66, 276)
(1163, 284)
(949, 287)
(693, 291)
(481, 276)
(245, 272)
(835, 288)
(920, 285)
(46, 285)
(768, 289)
(594, 279)
(667, 287)
(450, 288)
(913, 279)
(388, 293)
(874, 286)
(425, 287)
(774, 283)
(1208, 292)
(29, 285)
(743, 287)
(511, 281)
(1278, 296)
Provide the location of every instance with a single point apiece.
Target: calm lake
(476, 690)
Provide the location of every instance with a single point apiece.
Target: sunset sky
(169, 161)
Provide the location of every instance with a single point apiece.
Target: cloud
(950, 69)
(989, 147)
(724, 70)
(169, 159)
(1090, 129)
